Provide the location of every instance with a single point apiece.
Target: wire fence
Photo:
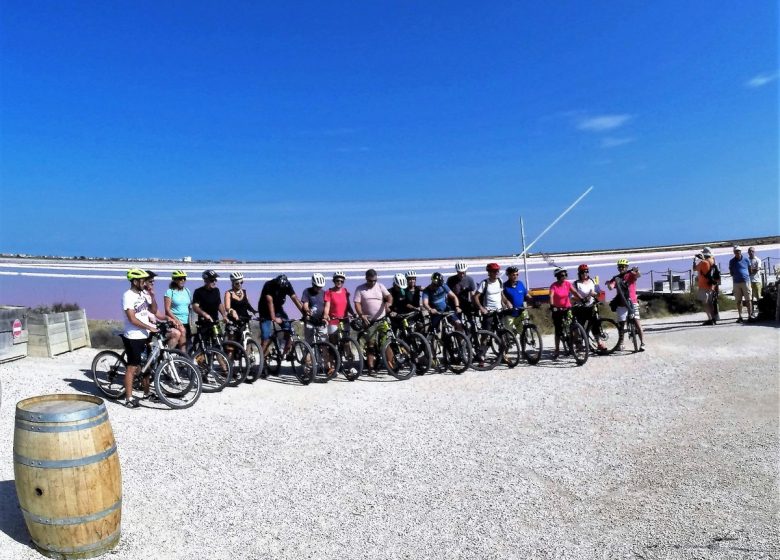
(679, 281)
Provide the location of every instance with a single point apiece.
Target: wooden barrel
(67, 475)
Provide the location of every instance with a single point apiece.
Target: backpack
(713, 275)
(482, 288)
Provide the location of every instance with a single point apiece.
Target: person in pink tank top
(560, 292)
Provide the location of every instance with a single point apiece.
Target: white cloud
(612, 142)
(762, 79)
(601, 123)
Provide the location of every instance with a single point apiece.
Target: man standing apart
(372, 302)
(705, 292)
(739, 268)
(755, 276)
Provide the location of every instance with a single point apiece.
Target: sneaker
(642, 347)
(739, 320)
(708, 323)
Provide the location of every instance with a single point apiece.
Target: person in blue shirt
(517, 294)
(739, 268)
(435, 299)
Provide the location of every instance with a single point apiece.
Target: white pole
(548, 228)
(525, 263)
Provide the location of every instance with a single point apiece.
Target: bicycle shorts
(134, 347)
(622, 312)
(267, 326)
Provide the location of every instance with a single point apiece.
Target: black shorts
(134, 347)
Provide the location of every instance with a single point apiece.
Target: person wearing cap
(705, 290)
(462, 285)
(138, 325)
(372, 302)
(755, 276)
(739, 268)
(489, 295)
(625, 283)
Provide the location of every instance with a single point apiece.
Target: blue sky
(339, 130)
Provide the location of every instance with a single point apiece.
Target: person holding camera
(706, 291)
(625, 284)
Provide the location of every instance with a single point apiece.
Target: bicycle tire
(421, 352)
(351, 359)
(438, 361)
(177, 393)
(215, 368)
(608, 335)
(531, 344)
(304, 364)
(578, 343)
(108, 372)
(633, 335)
(400, 363)
(487, 352)
(254, 353)
(457, 352)
(273, 360)
(512, 352)
(328, 360)
(239, 362)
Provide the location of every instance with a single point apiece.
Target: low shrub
(58, 307)
(101, 333)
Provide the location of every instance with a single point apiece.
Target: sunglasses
(238, 281)
(338, 280)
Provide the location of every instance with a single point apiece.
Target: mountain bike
(573, 337)
(350, 354)
(239, 331)
(603, 333)
(510, 343)
(450, 348)
(176, 379)
(419, 345)
(325, 354)
(487, 346)
(530, 338)
(301, 355)
(210, 334)
(630, 327)
(395, 354)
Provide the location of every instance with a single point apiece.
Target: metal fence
(678, 281)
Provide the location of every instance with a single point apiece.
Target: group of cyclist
(324, 310)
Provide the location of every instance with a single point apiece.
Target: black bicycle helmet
(437, 278)
(282, 281)
(209, 275)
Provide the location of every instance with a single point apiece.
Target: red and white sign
(17, 329)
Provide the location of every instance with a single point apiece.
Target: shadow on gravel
(85, 385)
(11, 519)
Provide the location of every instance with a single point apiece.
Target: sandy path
(671, 453)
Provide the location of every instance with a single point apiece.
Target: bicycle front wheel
(256, 359)
(421, 352)
(239, 362)
(511, 345)
(351, 359)
(457, 352)
(177, 382)
(605, 338)
(397, 359)
(633, 335)
(487, 352)
(304, 364)
(328, 360)
(108, 371)
(578, 343)
(531, 344)
(215, 370)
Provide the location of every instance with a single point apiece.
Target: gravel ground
(670, 453)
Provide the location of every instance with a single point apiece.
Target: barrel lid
(59, 408)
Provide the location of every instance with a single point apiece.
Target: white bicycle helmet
(411, 274)
(318, 280)
(339, 274)
(461, 266)
(236, 276)
(400, 281)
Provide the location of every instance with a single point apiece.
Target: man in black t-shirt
(463, 286)
(271, 309)
(207, 303)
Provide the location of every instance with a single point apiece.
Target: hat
(707, 252)
(737, 248)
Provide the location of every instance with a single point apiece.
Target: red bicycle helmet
(493, 266)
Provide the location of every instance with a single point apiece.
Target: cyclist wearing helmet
(237, 303)
(516, 294)
(138, 325)
(207, 301)
(337, 305)
(560, 302)
(463, 286)
(176, 334)
(372, 302)
(414, 292)
(313, 300)
(404, 294)
(588, 293)
(489, 295)
(625, 284)
(438, 298)
(271, 310)
(177, 300)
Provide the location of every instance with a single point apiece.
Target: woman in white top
(589, 294)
